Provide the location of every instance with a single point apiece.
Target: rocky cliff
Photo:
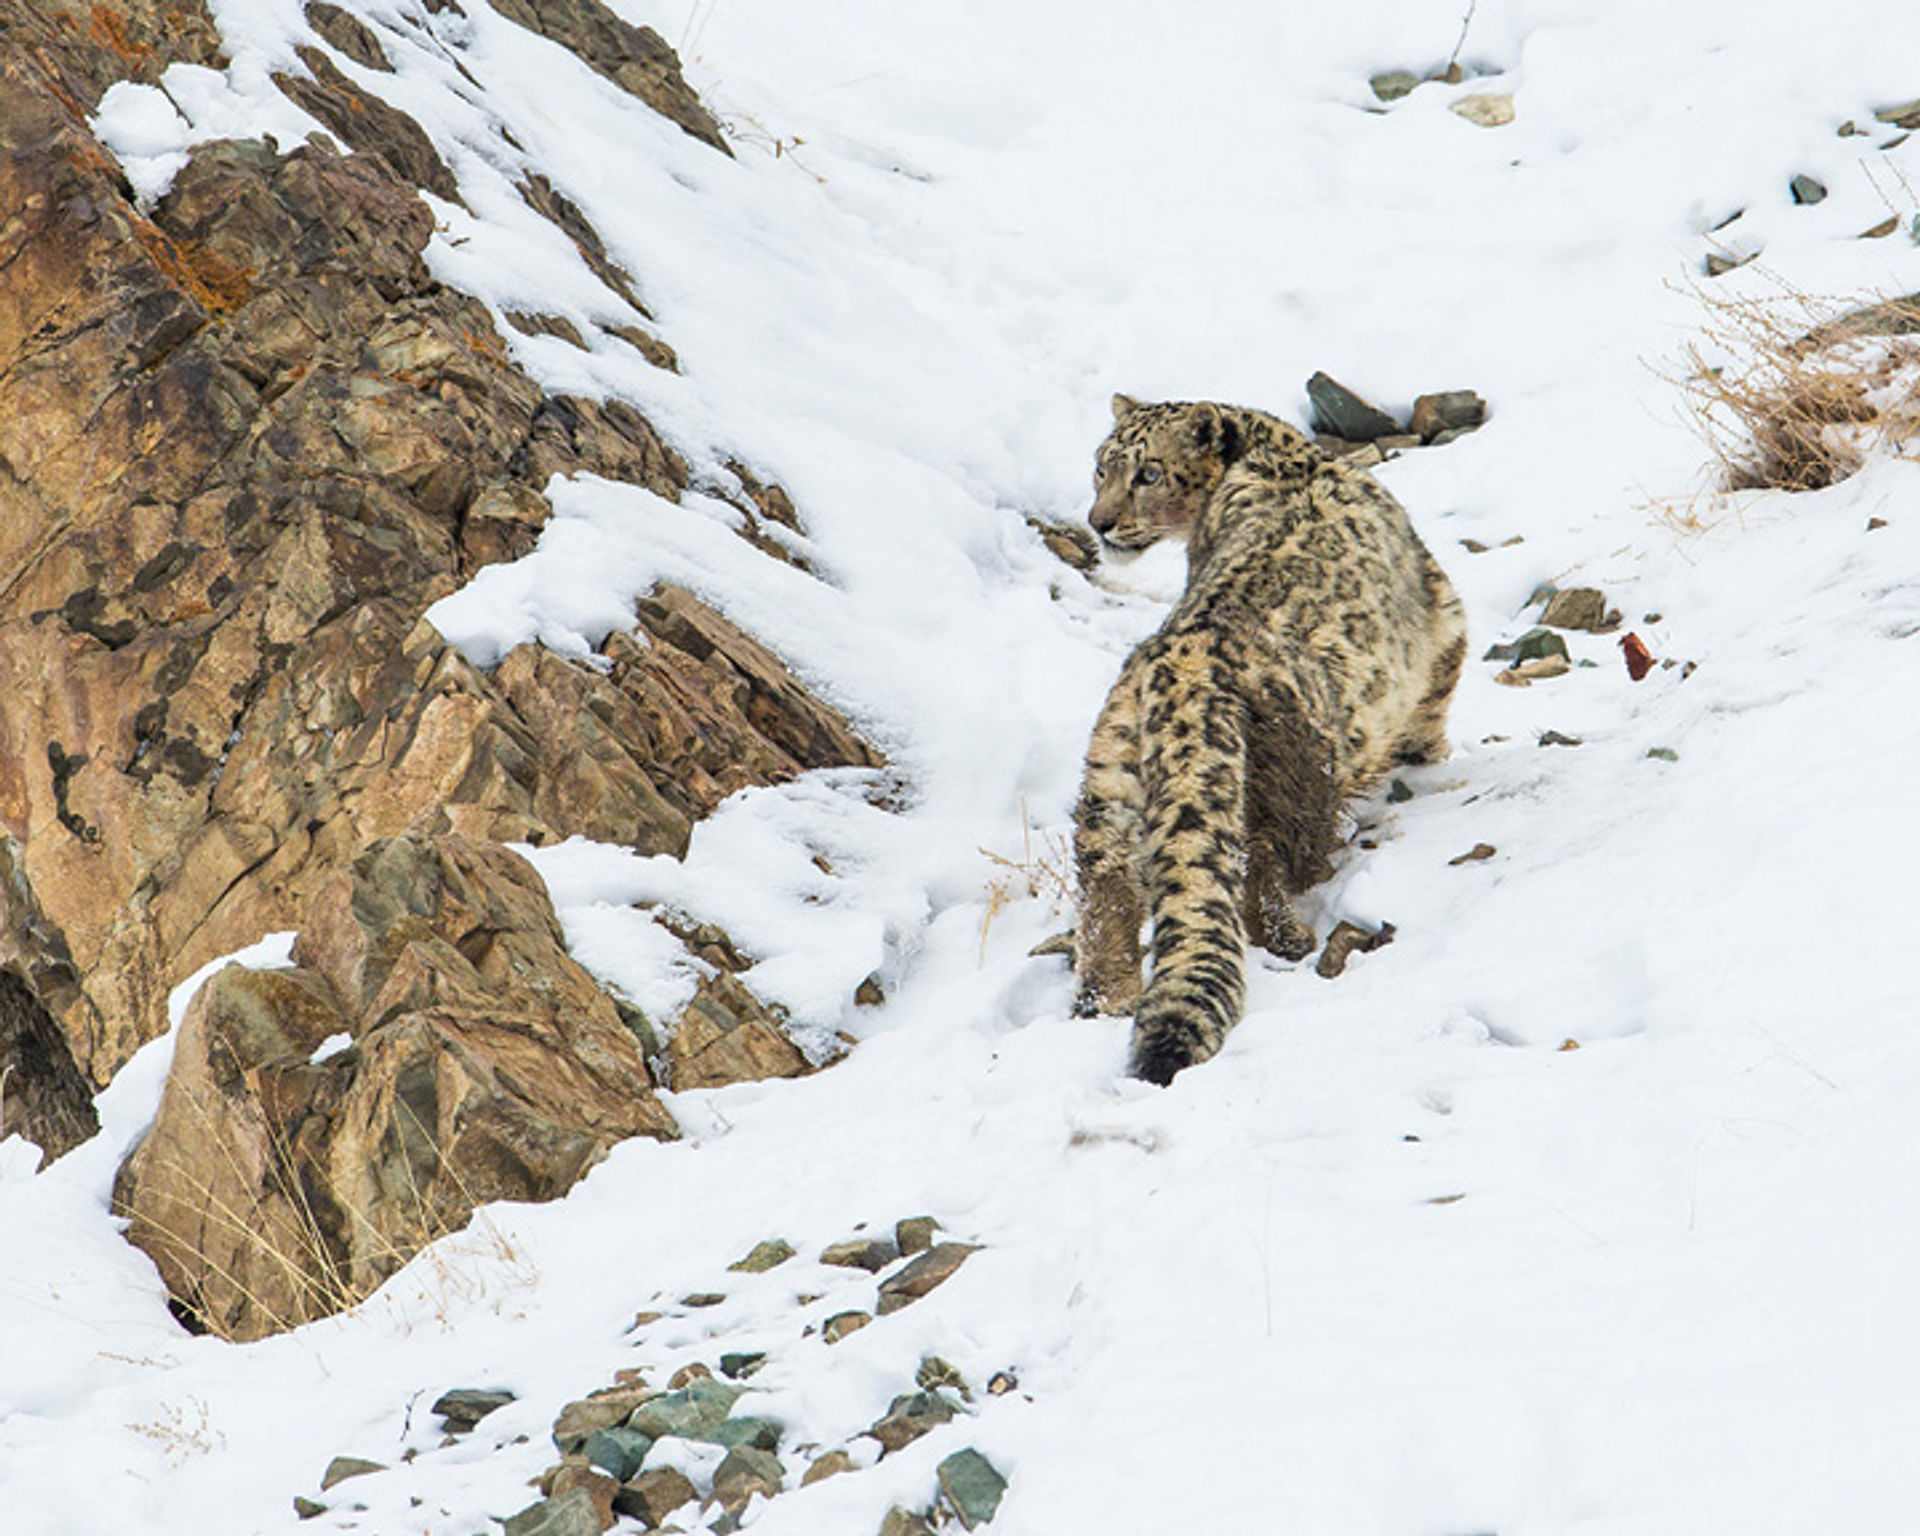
(246, 439)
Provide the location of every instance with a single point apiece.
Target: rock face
(246, 440)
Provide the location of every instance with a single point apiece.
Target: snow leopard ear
(1124, 406)
(1205, 426)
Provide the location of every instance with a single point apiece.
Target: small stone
(914, 1234)
(1638, 658)
(619, 1451)
(1806, 191)
(738, 1366)
(1719, 263)
(909, 1417)
(869, 994)
(602, 1410)
(465, 1407)
(644, 1320)
(690, 1413)
(569, 1515)
(1487, 109)
(687, 1375)
(1523, 674)
(1663, 754)
(1531, 646)
(932, 1268)
(830, 1465)
(935, 1373)
(746, 1471)
(1364, 455)
(872, 1254)
(1447, 435)
(1339, 411)
(1874, 523)
(837, 1327)
(1003, 1382)
(1398, 793)
(652, 1496)
(745, 1429)
(343, 1467)
(1473, 546)
(648, 345)
(1556, 739)
(700, 1300)
(1397, 442)
(1576, 608)
(904, 1522)
(1474, 855)
(972, 1486)
(1449, 410)
(1881, 230)
(1907, 115)
(764, 1256)
(576, 1475)
(307, 1508)
(1346, 940)
(1392, 84)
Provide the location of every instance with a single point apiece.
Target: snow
(1396, 1262)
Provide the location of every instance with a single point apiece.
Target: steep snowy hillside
(1578, 1208)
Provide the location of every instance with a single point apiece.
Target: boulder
(1339, 412)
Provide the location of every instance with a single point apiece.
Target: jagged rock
(572, 1514)
(368, 124)
(465, 1407)
(576, 1475)
(610, 1407)
(691, 1413)
(934, 1267)
(914, 1234)
(618, 1451)
(1345, 941)
(1455, 411)
(739, 1365)
(1906, 115)
(1487, 109)
(343, 1467)
(972, 1487)
(486, 1065)
(744, 1429)
(348, 34)
(652, 1496)
(80, 47)
(1582, 608)
(1341, 413)
(43, 1097)
(307, 1508)
(745, 1472)
(770, 1254)
(1533, 645)
(904, 1522)
(726, 1035)
(528, 323)
(910, 1416)
(832, 1464)
(637, 59)
(872, 1254)
(550, 203)
(1392, 84)
(934, 1372)
(1806, 190)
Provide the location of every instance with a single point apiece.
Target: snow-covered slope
(1397, 1261)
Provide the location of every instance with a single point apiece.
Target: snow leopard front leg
(1109, 837)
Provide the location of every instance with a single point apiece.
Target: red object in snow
(1639, 658)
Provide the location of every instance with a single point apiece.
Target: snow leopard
(1316, 645)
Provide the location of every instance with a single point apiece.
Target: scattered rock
(1907, 115)
(1663, 754)
(1806, 191)
(745, 1472)
(1523, 674)
(1002, 1382)
(576, 1475)
(1346, 940)
(1486, 109)
(605, 1409)
(45, 1098)
(1531, 646)
(1556, 739)
(914, 1234)
(343, 1467)
(528, 323)
(1875, 523)
(744, 1429)
(307, 1508)
(832, 1464)
(1638, 658)
(904, 1522)
(766, 1255)
(648, 345)
(1449, 410)
(367, 123)
(464, 1407)
(1475, 854)
(909, 1417)
(971, 1486)
(1719, 263)
(872, 1254)
(572, 1514)
(934, 1267)
(1881, 230)
(1576, 608)
(1338, 411)
(934, 1373)
(739, 1366)
(727, 1035)
(691, 1413)
(1397, 442)
(1393, 84)
(652, 1496)
(1398, 793)
(346, 33)
(619, 1451)
(837, 1327)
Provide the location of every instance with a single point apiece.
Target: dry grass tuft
(1794, 392)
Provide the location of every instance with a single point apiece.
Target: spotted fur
(1316, 645)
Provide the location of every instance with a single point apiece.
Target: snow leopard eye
(1149, 474)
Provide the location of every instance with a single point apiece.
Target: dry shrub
(1794, 392)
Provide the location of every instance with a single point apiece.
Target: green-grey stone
(465, 1407)
(1338, 410)
(1806, 191)
(307, 1508)
(935, 1372)
(1392, 84)
(972, 1486)
(572, 1514)
(742, 1364)
(1398, 793)
(746, 1429)
(343, 1467)
(909, 1417)
(765, 1256)
(1664, 754)
(689, 1413)
(1534, 644)
(618, 1451)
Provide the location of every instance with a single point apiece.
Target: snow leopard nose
(1104, 516)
